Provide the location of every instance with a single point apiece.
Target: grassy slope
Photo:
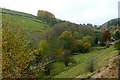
(100, 57)
(28, 21)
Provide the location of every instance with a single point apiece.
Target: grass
(17, 13)
(26, 23)
(100, 57)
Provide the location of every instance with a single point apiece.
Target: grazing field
(27, 21)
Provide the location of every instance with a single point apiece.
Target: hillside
(53, 48)
(110, 23)
(28, 21)
(110, 70)
(101, 59)
(32, 26)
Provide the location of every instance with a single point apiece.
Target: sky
(95, 12)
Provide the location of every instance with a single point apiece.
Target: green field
(27, 21)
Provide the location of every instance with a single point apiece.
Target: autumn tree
(47, 17)
(15, 52)
(105, 36)
(45, 14)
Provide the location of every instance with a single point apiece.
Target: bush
(67, 59)
(117, 35)
(88, 39)
(117, 46)
(90, 66)
(87, 46)
(80, 46)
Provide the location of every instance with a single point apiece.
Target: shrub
(117, 35)
(88, 39)
(87, 46)
(43, 48)
(80, 46)
(117, 45)
(90, 66)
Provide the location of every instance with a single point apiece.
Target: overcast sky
(78, 11)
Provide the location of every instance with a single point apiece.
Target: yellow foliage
(15, 54)
(59, 52)
(87, 45)
(45, 14)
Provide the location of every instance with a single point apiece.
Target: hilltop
(111, 23)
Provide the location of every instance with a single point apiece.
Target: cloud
(79, 11)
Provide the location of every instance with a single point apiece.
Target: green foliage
(66, 39)
(98, 35)
(77, 35)
(87, 46)
(117, 35)
(43, 47)
(48, 68)
(88, 39)
(117, 44)
(80, 46)
(90, 66)
(43, 52)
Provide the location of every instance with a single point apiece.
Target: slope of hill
(28, 21)
(33, 26)
(110, 71)
(101, 59)
(12, 12)
(112, 22)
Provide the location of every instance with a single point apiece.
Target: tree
(15, 52)
(67, 40)
(117, 35)
(77, 34)
(117, 45)
(105, 36)
(43, 52)
(80, 46)
(90, 65)
(88, 39)
(43, 47)
(87, 46)
(45, 14)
